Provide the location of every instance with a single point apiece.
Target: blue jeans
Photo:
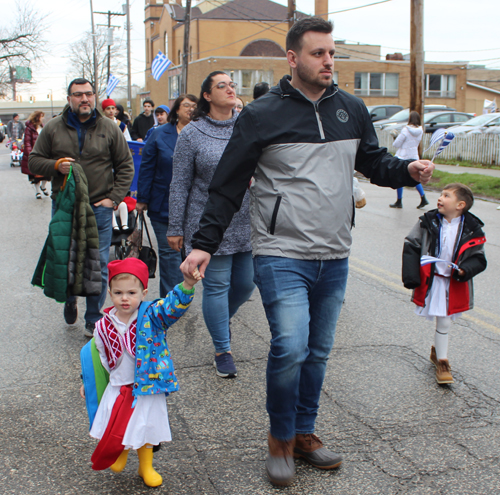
(169, 259)
(228, 283)
(302, 300)
(103, 218)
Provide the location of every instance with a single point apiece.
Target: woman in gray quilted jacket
(228, 281)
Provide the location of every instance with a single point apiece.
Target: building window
(336, 77)
(165, 48)
(179, 57)
(174, 86)
(247, 79)
(376, 84)
(439, 86)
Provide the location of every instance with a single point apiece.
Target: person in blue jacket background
(153, 186)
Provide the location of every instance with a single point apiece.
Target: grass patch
(481, 185)
(466, 164)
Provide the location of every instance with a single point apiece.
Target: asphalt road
(399, 432)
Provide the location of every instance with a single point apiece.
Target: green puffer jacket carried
(84, 268)
(69, 263)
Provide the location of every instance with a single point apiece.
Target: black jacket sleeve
(229, 183)
(474, 264)
(377, 163)
(411, 257)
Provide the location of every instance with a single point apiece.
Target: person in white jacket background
(407, 145)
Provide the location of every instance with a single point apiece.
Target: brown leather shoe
(443, 372)
(279, 463)
(433, 358)
(310, 447)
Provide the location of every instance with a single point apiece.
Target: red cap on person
(133, 266)
(108, 103)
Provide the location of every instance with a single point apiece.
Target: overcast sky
(453, 30)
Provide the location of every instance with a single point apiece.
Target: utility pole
(129, 71)
(96, 76)
(185, 55)
(110, 35)
(417, 57)
(291, 13)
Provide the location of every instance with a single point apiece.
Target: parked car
(380, 112)
(435, 120)
(479, 124)
(403, 115)
(3, 131)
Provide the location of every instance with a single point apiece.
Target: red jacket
(468, 255)
(30, 137)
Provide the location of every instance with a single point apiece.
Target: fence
(476, 148)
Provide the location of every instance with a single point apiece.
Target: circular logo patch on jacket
(342, 115)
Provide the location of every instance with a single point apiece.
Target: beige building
(246, 39)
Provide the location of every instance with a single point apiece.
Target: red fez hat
(133, 266)
(108, 103)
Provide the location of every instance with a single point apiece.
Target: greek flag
(112, 83)
(448, 138)
(160, 65)
(442, 136)
(426, 260)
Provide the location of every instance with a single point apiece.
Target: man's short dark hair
(150, 101)
(260, 89)
(296, 33)
(79, 80)
(462, 192)
(15, 115)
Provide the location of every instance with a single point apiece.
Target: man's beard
(309, 77)
(78, 111)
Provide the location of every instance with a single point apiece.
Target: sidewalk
(451, 169)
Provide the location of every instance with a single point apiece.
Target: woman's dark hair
(121, 114)
(296, 33)
(173, 116)
(203, 106)
(414, 119)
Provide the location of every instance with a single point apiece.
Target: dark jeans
(169, 260)
(302, 300)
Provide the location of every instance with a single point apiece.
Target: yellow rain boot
(120, 463)
(146, 470)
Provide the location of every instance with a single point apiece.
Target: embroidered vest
(114, 342)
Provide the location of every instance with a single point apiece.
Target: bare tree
(81, 56)
(23, 43)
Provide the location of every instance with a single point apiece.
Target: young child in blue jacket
(132, 346)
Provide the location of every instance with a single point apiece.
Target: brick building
(246, 39)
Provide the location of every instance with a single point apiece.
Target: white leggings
(443, 324)
(121, 212)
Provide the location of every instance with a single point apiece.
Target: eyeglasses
(88, 94)
(188, 105)
(224, 85)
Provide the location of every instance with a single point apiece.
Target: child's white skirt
(148, 423)
(436, 302)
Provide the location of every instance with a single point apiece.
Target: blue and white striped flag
(442, 136)
(160, 65)
(112, 84)
(425, 260)
(436, 136)
(448, 138)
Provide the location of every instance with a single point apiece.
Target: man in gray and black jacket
(301, 143)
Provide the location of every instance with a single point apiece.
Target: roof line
(483, 87)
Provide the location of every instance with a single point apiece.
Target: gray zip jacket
(302, 156)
